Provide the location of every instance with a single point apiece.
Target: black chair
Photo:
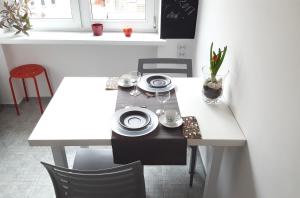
(123, 181)
(93, 159)
(187, 70)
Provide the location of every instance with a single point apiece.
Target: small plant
(216, 61)
(212, 87)
(15, 15)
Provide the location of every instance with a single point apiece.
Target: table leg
(193, 163)
(59, 156)
(212, 171)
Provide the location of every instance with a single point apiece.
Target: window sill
(108, 38)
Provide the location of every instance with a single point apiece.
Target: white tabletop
(80, 113)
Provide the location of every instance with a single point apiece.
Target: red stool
(28, 71)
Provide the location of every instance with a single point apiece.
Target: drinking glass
(135, 77)
(162, 97)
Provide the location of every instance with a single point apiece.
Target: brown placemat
(190, 128)
(164, 146)
(112, 83)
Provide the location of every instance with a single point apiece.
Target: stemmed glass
(162, 97)
(135, 77)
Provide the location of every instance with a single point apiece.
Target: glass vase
(212, 90)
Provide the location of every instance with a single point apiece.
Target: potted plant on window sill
(15, 16)
(212, 87)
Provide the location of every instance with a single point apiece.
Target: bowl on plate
(123, 124)
(158, 81)
(134, 119)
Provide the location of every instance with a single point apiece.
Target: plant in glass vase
(212, 88)
(14, 14)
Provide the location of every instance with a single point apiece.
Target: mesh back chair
(188, 70)
(125, 181)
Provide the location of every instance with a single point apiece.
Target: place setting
(147, 84)
(156, 83)
(140, 115)
(134, 121)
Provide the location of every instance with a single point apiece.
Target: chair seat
(26, 71)
(94, 159)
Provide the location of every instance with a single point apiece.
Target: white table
(80, 113)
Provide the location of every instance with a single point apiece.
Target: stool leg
(193, 163)
(14, 96)
(25, 89)
(48, 82)
(38, 94)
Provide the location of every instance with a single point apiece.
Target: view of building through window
(80, 14)
(118, 9)
(50, 9)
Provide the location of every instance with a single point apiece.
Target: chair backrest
(188, 70)
(126, 181)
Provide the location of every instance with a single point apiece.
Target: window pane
(50, 9)
(118, 9)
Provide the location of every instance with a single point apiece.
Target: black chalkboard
(178, 18)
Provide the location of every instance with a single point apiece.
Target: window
(54, 14)
(118, 10)
(53, 9)
(80, 14)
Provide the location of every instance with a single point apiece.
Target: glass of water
(135, 78)
(162, 97)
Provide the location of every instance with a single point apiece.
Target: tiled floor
(22, 176)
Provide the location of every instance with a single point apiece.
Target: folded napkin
(112, 83)
(190, 128)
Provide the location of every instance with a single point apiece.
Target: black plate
(134, 120)
(158, 81)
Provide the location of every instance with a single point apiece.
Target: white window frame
(82, 20)
(60, 24)
(147, 25)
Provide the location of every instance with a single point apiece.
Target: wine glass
(135, 77)
(162, 97)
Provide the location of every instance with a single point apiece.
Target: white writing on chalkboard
(179, 9)
(173, 15)
(186, 6)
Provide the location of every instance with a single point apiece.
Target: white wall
(4, 84)
(263, 50)
(76, 60)
(79, 60)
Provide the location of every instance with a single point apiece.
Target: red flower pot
(127, 31)
(97, 29)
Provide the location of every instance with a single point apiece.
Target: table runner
(164, 146)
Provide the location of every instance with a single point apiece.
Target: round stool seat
(27, 71)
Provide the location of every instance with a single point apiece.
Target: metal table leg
(59, 156)
(212, 171)
(193, 163)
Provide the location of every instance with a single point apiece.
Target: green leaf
(26, 33)
(223, 55)
(17, 27)
(210, 54)
(25, 16)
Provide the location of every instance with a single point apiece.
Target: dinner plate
(134, 120)
(145, 81)
(121, 130)
(163, 121)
